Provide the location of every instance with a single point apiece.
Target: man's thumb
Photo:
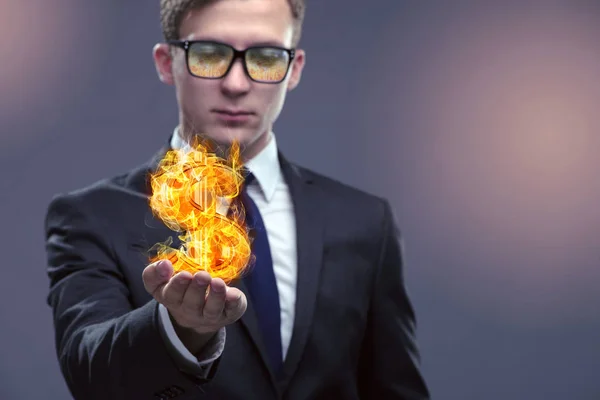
(156, 274)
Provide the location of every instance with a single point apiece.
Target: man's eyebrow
(260, 43)
(267, 43)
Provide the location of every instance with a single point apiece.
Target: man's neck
(247, 151)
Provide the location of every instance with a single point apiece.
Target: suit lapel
(250, 322)
(307, 200)
(155, 231)
(308, 209)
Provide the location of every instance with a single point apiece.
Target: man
(323, 313)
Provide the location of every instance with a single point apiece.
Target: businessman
(323, 314)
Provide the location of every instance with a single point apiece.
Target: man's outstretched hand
(198, 305)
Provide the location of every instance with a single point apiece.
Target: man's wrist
(193, 340)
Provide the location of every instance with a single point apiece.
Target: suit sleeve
(106, 348)
(389, 365)
(200, 362)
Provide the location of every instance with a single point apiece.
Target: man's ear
(163, 62)
(297, 67)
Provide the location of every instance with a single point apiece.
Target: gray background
(478, 120)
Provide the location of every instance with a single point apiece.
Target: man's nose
(236, 82)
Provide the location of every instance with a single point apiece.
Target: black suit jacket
(353, 336)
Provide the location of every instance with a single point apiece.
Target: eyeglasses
(213, 60)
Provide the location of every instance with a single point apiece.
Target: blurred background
(478, 120)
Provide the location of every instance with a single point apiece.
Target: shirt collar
(264, 166)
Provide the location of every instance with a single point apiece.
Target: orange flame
(191, 193)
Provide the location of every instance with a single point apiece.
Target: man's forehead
(240, 22)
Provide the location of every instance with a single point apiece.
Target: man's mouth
(232, 112)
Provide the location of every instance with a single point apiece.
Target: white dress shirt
(272, 197)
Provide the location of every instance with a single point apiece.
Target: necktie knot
(248, 176)
(243, 205)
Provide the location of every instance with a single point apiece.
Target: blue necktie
(260, 281)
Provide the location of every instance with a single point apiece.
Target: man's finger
(156, 275)
(235, 303)
(193, 300)
(215, 301)
(173, 292)
(233, 294)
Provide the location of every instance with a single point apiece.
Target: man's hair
(173, 11)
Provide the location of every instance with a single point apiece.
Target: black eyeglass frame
(187, 44)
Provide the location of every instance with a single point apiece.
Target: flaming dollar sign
(191, 193)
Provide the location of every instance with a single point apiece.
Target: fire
(191, 193)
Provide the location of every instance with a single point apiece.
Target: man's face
(205, 105)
